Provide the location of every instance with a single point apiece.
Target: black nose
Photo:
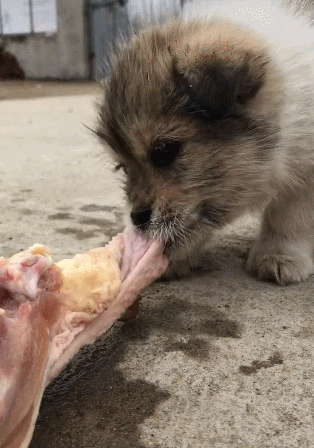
(141, 217)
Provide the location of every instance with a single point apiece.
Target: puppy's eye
(164, 154)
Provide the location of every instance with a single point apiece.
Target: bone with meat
(49, 311)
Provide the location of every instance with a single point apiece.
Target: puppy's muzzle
(141, 217)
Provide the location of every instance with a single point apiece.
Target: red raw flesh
(39, 337)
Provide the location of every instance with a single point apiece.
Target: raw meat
(40, 334)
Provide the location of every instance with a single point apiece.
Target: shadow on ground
(93, 404)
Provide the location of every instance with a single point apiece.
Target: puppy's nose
(141, 217)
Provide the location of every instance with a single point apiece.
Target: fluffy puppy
(210, 118)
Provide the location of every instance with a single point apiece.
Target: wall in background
(63, 55)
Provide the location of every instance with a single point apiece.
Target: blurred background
(68, 39)
(71, 40)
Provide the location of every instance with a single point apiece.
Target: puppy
(210, 118)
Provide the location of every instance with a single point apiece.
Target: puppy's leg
(284, 251)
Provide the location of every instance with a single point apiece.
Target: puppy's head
(191, 112)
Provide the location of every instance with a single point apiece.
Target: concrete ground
(214, 361)
(41, 88)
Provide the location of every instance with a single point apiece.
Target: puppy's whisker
(199, 226)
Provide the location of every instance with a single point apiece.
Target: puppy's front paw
(284, 269)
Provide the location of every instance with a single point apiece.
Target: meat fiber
(40, 333)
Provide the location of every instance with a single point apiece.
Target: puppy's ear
(215, 90)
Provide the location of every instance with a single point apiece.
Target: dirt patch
(257, 365)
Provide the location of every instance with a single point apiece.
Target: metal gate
(110, 19)
(107, 21)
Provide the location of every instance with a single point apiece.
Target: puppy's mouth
(172, 234)
(176, 229)
(170, 229)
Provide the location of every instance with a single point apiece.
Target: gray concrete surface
(217, 360)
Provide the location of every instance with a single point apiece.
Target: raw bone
(38, 336)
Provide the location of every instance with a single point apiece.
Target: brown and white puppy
(210, 118)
